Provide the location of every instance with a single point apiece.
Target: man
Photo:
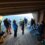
(6, 24)
(22, 27)
(9, 26)
(15, 27)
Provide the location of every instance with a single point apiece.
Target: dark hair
(32, 21)
(14, 21)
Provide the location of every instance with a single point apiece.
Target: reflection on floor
(25, 39)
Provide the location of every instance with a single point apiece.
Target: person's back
(6, 23)
(9, 22)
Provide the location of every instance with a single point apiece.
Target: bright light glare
(29, 16)
(18, 17)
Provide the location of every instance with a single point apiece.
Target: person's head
(14, 21)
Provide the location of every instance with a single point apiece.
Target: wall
(35, 15)
(41, 16)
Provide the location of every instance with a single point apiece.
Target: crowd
(37, 29)
(33, 27)
(7, 24)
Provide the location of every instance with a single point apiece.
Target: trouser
(6, 30)
(15, 33)
(22, 31)
(9, 29)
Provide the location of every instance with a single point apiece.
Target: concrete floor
(26, 39)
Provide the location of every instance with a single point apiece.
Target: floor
(26, 39)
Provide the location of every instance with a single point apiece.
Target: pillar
(40, 16)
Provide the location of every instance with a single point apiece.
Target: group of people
(23, 23)
(7, 24)
(35, 27)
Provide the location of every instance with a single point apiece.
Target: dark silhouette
(9, 26)
(25, 21)
(22, 27)
(15, 27)
(32, 22)
(41, 30)
(6, 24)
(1, 33)
(32, 26)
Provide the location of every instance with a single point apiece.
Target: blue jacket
(15, 26)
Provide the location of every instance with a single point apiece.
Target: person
(41, 30)
(6, 24)
(32, 22)
(9, 26)
(25, 21)
(22, 27)
(15, 27)
(32, 26)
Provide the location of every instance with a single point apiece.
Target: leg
(22, 32)
(9, 30)
(16, 33)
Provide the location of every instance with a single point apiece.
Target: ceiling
(20, 6)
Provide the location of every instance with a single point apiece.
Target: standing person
(15, 27)
(6, 24)
(41, 30)
(32, 26)
(9, 26)
(25, 21)
(22, 27)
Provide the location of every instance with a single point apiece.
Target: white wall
(35, 15)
